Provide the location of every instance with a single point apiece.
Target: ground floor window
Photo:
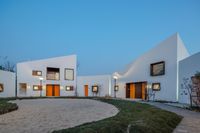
(1, 87)
(36, 87)
(156, 87)
(22, 88)
(69, 88)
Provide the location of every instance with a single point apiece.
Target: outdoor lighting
(116, 87)
(41, 79)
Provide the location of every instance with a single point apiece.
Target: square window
(158, 68)
(37, 87)
(69, 74)
(95, 89)
(36, 73)
(156, 87)
(1, 87)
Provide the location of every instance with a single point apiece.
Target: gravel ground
(47, 115)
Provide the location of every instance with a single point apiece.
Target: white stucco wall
(139, 70)
(104, 81)
(24, 74)
(8, 81)
(187, 68)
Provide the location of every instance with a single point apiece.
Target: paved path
(46, 115)
(190, 122)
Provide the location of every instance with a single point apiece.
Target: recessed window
(36, 73)
(69, 74)
(53, 73)
(158, 68)
(22, 88)
(95, 89)
(37, 87)
(1, 87)
(116, 88)
(69, 88)
(156, 86)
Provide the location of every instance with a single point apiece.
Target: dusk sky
(105, 34)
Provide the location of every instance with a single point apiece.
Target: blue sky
(105, 34)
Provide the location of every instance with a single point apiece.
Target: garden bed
(6, 106)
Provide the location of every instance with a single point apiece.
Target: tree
(6, 65)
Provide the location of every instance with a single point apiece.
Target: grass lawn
(6, 107)
(132, 118)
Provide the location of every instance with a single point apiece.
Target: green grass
(133, 117)
(6, 107)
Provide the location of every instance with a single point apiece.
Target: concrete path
(47, 115)
(190, 122)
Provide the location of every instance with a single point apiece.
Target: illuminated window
(69, 88)
(22, 88)
(95, 89)
(69, 74)
(36, 87)
(1, 87)
(156, 86)
(36, 73)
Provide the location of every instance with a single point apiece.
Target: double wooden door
(53, 90)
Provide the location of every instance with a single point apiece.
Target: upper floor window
(158, 68)
(53, 73)
(1, 87)
(36, 73)
(69, 74)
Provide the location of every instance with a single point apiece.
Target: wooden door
(144, 90)
(49, 90)
(56, 90)
(132, 91)
(127, 90)
(138, 90)
(86, 90)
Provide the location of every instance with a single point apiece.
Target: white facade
(170, 51)
(7, 81)
(102, 81)
(25, 75)
(187, 68)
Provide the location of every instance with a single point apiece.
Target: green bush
(6, 107)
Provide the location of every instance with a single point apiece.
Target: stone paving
(190, 122)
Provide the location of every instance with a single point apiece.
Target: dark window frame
(71, 88)
(36, 71)
(152, 66)
(39, 87)
(47, 73)
(2, 86)
(156, 84)
(93, 88)
(65, 74)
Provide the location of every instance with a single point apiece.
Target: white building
(98, 85)
(187, 68)
(7, 84)
(57, 76)
(157, 68)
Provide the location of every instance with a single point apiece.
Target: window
(36, 73)
(95, 89)
(22, 88)
(156, 86)
(158, 68)
(1, 87)
(116, 88)
(69, 74)
(37, 87)
(69, 88)
(53, 73)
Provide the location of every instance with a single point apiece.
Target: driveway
(190, 122)
(47, 115)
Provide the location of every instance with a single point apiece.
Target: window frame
(2, 86)
(65, 74)
(36, 71)
(93, 88)
(20, 89)
(153, 84)
(47, 74)
(39, 87)
(152, 68)
(71, 88)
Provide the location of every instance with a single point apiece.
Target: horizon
(105, 36)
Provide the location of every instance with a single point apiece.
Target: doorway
(52, 90)
(86, 90)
